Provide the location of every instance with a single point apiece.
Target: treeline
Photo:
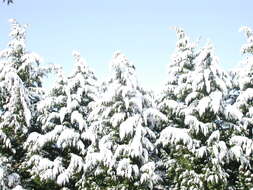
(88, 134)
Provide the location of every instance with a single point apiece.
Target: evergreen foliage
(84, 134)
(20, 88)
(57, 152)
(122, 120)
(241, 141)
(196, 110)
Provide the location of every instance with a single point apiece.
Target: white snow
(203, 105)
(174, 136)
(127, 127)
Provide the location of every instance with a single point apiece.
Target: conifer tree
(172, 100)
(57, 153)
(122, 119)
(182, 62)
(193, 144)
(198, 134)
(20, 83)
(205, 118)
(241, 151)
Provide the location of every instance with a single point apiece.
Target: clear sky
(139, 28)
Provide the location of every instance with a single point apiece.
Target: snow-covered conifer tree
(207, 120)
(122, 119)
(241, 142)
(193, 144)
(172, 100)
(57, 153)
(20, 83)
(182, 62)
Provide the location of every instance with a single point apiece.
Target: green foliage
(197, 134)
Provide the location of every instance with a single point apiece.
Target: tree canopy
(83, 133)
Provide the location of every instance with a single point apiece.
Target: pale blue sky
(140, 29)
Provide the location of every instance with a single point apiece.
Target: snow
(13, 179)
(88, 135)
(77, 117)
(174, 136)
(190, 97)
(196, 125)
(16, 87)
(63, 178)
(201, 151)
(170, 104)
(214, 137)
(149, 175)
(5, 139)
(216, 98)
(237, 152)
(18, 187)
(153, 115)
(222, 84)
(244, 143)
(233, 112)
(67, 138)
(207, 81)
(244, 97)
(203, 105)
(82, 133)
(126, 169)
(248, 47)
(223, 151)
(136, 145)
(117, 118)
(127, 127)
